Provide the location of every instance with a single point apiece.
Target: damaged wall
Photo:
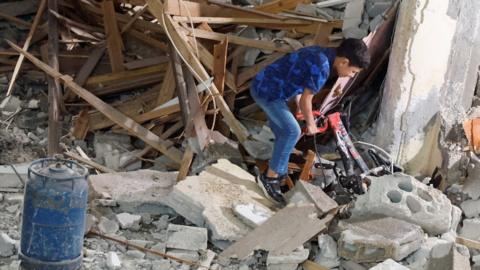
(430, 81)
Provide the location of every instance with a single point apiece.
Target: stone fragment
(471, 208)
(90, 222)
(375, 8)
(389, 265)
(352, 16)
(113, 261)
(471, 229)
(160, 247)
(129, 221)
(207, 259)
(403, 197)
(351, 265)
(187, 237)
(161, 223)
(378, 239)
(329, 3)
(137, 254)
(107, 226)
(7, 245)
(304, 192)
(10, 104)
(161, 264)
(33, 104)
(290, 261)
(253, 215)
(450, 256)
(142, 191)
(187, 255)
(420, 259)
(327, 255)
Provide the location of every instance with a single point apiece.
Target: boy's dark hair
(355, 51)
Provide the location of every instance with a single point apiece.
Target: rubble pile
(153, 98)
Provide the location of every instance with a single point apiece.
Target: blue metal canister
(54, 209)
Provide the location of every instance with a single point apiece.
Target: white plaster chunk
(403, 197)
(471, 208)
(253, 215)
(129, 221)
(353, 14)
(107, 226)
(7, 245)
(113, 261)
(389, 265)
(328, 255)
(471, 229)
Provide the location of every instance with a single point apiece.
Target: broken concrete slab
(450, 256)
(304, 192)
(187, 237)
(142, 191)
(7, 245)
(378, 239)
(10, 178)
(471, 208)
(352, 16)
(288, 261)
(327, 255)
(402, 196)
(420, 259)
(471, 229)
(389, 265)
(129, 221)
(251, 214)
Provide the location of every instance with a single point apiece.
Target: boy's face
(343, 68)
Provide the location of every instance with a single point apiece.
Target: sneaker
(271, 188)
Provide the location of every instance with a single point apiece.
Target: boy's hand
(311, 129)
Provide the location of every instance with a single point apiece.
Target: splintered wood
(124, 80)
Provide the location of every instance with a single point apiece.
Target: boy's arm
(306, 108)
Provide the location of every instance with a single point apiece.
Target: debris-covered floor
(152, 97)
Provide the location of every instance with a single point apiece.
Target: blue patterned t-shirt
(308, 67)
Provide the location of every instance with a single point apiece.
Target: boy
(301, 73)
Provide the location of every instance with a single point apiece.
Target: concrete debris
(142, 191)
(128, 221)
(329, 3)
(10, 104)
(304, 192)
(107, 226)
(289, 261)
(471, 229)
(378, 239)
(353, 14)
(471, 208)
(137, 254)
(375, 8)
(351, 265)
(450, 257)
(113, 261)
(207, 259)
(188, 255)
(7, 245)
(10, 178)
(251, 214)
(389, 265)
(187, 237)
(327, 255)
(250, 56)
(403, 197)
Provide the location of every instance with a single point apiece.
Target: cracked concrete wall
(430, 80)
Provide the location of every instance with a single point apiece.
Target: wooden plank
(26, 45)
(89, 162)
(288, 229)
(260, 44)
(219, 64)
(86, 70)
(112, 78)
(15, 20)
(309, 265)
(114, 39)
(80, 127)
(147, 62)
(277, 6)
(166, 90)
(185, 165)
(134, 83)
(242, 21)
(468, 242)
(125, 122)
(135, 17)
(148, 40)
(307, 167)
(201, 74)
(181, 91)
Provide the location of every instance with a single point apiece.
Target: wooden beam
(468, 242)
(307, 167)
(260, 44)
(114, 39)
(185, 165)
(125, 122)
(277, 6)
(148, 40)
(134, 18)
(181, 91)
(113, 78)
(147, 62)
(86, 70)
(80, 127)
(219, 64)
(166, 91)
(89, 162)
(200, 73)
(244, 21)
(26, 45)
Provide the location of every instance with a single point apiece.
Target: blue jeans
(285, 128)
